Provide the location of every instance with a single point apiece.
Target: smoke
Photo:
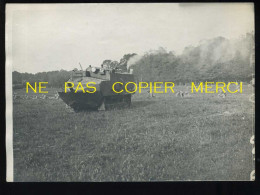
(220, 50)
(133, 60)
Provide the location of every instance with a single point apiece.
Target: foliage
(54, 78)
(122, 64)
(212, 60)
(217, 59)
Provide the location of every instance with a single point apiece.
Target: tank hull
(94, 101)
(82, 101)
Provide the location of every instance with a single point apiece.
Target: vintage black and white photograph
(99, 92)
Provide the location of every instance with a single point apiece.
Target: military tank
(104, 97)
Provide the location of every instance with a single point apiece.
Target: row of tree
(54, 78)
(217, 59)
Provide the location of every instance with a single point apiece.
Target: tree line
(217, 59)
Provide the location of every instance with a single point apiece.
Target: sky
(48, 37)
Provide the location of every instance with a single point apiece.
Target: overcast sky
(59, 36)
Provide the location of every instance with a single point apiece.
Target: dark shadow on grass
(134, 104)
(84, 110)
(142, 103)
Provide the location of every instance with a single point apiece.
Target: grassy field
(201, 137)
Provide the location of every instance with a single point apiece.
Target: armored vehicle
(103, 97)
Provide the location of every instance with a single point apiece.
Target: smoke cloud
(133, 60)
